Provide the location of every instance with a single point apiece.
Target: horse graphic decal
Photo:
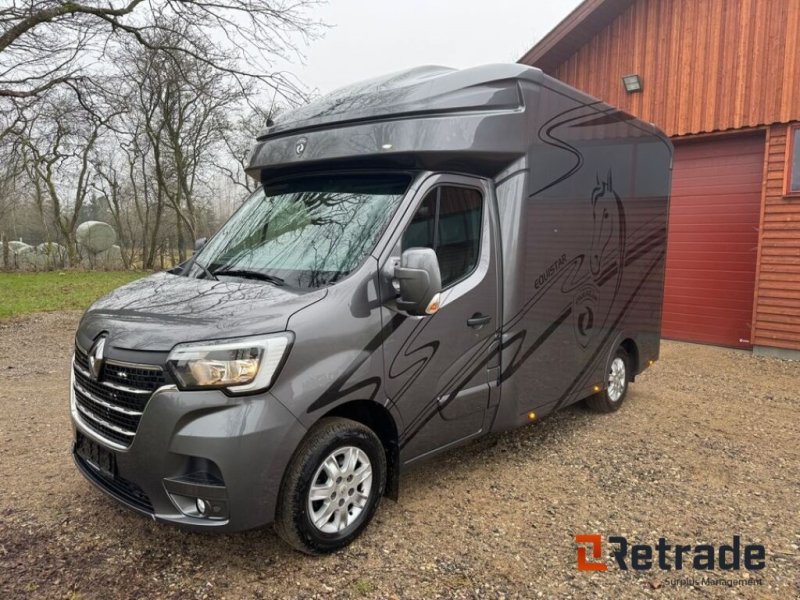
(606, 260)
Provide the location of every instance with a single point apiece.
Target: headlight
(239, 365)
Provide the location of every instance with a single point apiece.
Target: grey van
(429, 257)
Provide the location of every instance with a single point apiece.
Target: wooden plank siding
(706, 65)
(776, 310)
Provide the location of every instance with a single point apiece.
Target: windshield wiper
(248, 274)
(203, 268)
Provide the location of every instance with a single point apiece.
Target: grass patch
(23, 293)
(363, 587)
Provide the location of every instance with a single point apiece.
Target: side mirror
(420, 281)
(199, 243)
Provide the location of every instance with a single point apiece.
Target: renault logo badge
(300, 146)
(96, 358)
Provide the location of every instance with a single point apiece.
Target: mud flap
(393, 471)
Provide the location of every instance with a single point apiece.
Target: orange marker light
(596, 389)
(433, 305)
(531, 416)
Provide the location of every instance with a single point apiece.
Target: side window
(421, 232)
(449, 221)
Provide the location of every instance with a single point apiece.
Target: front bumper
(230, 450)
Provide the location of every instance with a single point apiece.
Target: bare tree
(238, 139)
(57, 144)
(45, 43)
(112, 186)
(178, 111)
(11, 168)
(134, 108)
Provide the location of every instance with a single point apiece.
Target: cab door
(437, 367)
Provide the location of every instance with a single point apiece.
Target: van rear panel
(584, 217)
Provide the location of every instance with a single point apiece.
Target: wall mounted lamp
(632, 83)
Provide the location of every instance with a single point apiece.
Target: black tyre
(618, 375)
(332, 486)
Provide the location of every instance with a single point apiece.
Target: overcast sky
(372, 37)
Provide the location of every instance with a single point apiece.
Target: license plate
(98, 457)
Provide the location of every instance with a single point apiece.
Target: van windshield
(306, 232)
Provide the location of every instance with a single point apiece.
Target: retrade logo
(666, 557)
(595, 544)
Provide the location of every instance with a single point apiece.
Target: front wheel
(616, 384)
(332, 486)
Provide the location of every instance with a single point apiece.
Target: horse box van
(428, 257)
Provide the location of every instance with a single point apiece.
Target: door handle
(478, 320)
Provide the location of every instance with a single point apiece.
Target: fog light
(203, 507)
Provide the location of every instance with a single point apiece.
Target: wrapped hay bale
(95, 236)
(32, 261)
(110, 259)
(55, 255)
(22, 256)
(19, 247)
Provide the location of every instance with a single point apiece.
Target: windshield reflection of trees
(310, 239)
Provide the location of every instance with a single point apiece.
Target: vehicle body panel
(436, 366)
(150, 314)
(571, 264)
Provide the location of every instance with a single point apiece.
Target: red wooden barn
(722, 79)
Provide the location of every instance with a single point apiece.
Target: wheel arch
(632, 349)
(380, 420)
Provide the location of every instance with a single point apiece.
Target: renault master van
(429, 257)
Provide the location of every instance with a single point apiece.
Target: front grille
(129, 400)
(125, 490)
(139, 377)
(82, 359)
(113, 404)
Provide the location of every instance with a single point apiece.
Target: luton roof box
(476, 120)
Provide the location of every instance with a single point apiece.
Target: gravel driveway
(705, 447)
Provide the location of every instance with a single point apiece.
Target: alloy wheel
(617, 379)
(340, 489)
